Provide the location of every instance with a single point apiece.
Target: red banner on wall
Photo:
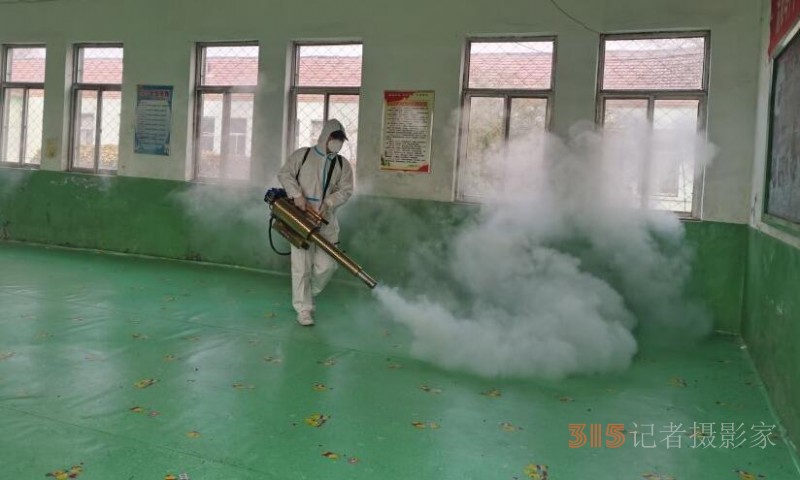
(783, 17)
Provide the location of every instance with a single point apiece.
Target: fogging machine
(302, 228)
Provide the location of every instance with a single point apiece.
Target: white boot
(305, 319)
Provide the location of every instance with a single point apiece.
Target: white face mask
(335, 145)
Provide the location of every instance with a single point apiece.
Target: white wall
(413, 44)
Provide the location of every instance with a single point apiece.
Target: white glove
(300, 202)
(326, 208)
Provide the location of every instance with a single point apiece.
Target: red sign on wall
(784, 16)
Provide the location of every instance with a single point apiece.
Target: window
(657, 84)
(227, 78)
(508, 90)
(22, 101)
(97, 101)
(326, 84)
(208, 126)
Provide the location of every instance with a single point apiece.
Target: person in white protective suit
(305, 176)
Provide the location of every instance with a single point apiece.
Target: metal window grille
(96, 108)
(658, 84)
(22, 101)
(507, 94)
(227, 77)
(326, 83)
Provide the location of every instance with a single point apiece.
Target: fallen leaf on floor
(139, 336)
(536, 472)
(331, 455)
(6, 355)
(509, 427)
(137, 409)
(169, 298)
(154, 413)
(170, 476)
(748, 476)
(394, 366)
(270, 359)
(677, 382)
(193, 434)
(73, 472)
(352, 460)
(241, 386)
(145, 383)
(169, 358)
(319, 387)
(270, 315)
(492, 393)
(428, 389)
(328, 363)
(566, 399)
(423, 425)
(317, 420)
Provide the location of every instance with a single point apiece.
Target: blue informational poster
(153, 119)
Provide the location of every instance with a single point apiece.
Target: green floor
(130, 368)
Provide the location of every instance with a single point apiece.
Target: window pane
(518, 65)
(86, 112)
(33, 132)
(310, 111)
(12, 124)
(528, 115)
(230, 65)
(237, 159)
(485, 137)
(623, 114)
(208, 126)
(673, 161)
(109, 134)
(26, 64)
(329, 65)
(654, 64)
(345, 109)
(210, 159)
(101, 65)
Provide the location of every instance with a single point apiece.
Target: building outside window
(656, 86)
(22, 103)
(326, 83)
(227, 78)
(506, 97)
(97, 104)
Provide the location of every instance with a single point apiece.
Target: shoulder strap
(297, 175)
(330, 174)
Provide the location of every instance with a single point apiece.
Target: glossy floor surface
(114, 367)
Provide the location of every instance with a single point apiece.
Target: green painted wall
(228, 225)
(771, 325)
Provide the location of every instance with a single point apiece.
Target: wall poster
(407, 130)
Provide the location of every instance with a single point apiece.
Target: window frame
(26, 87)
(508, 94)
(295, 90)
(76, 125)
(227, 92)
(652, 96)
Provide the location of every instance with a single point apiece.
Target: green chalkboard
(783, 167)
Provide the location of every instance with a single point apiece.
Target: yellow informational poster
(407, 129)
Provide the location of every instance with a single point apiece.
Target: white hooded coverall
(313, 268)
